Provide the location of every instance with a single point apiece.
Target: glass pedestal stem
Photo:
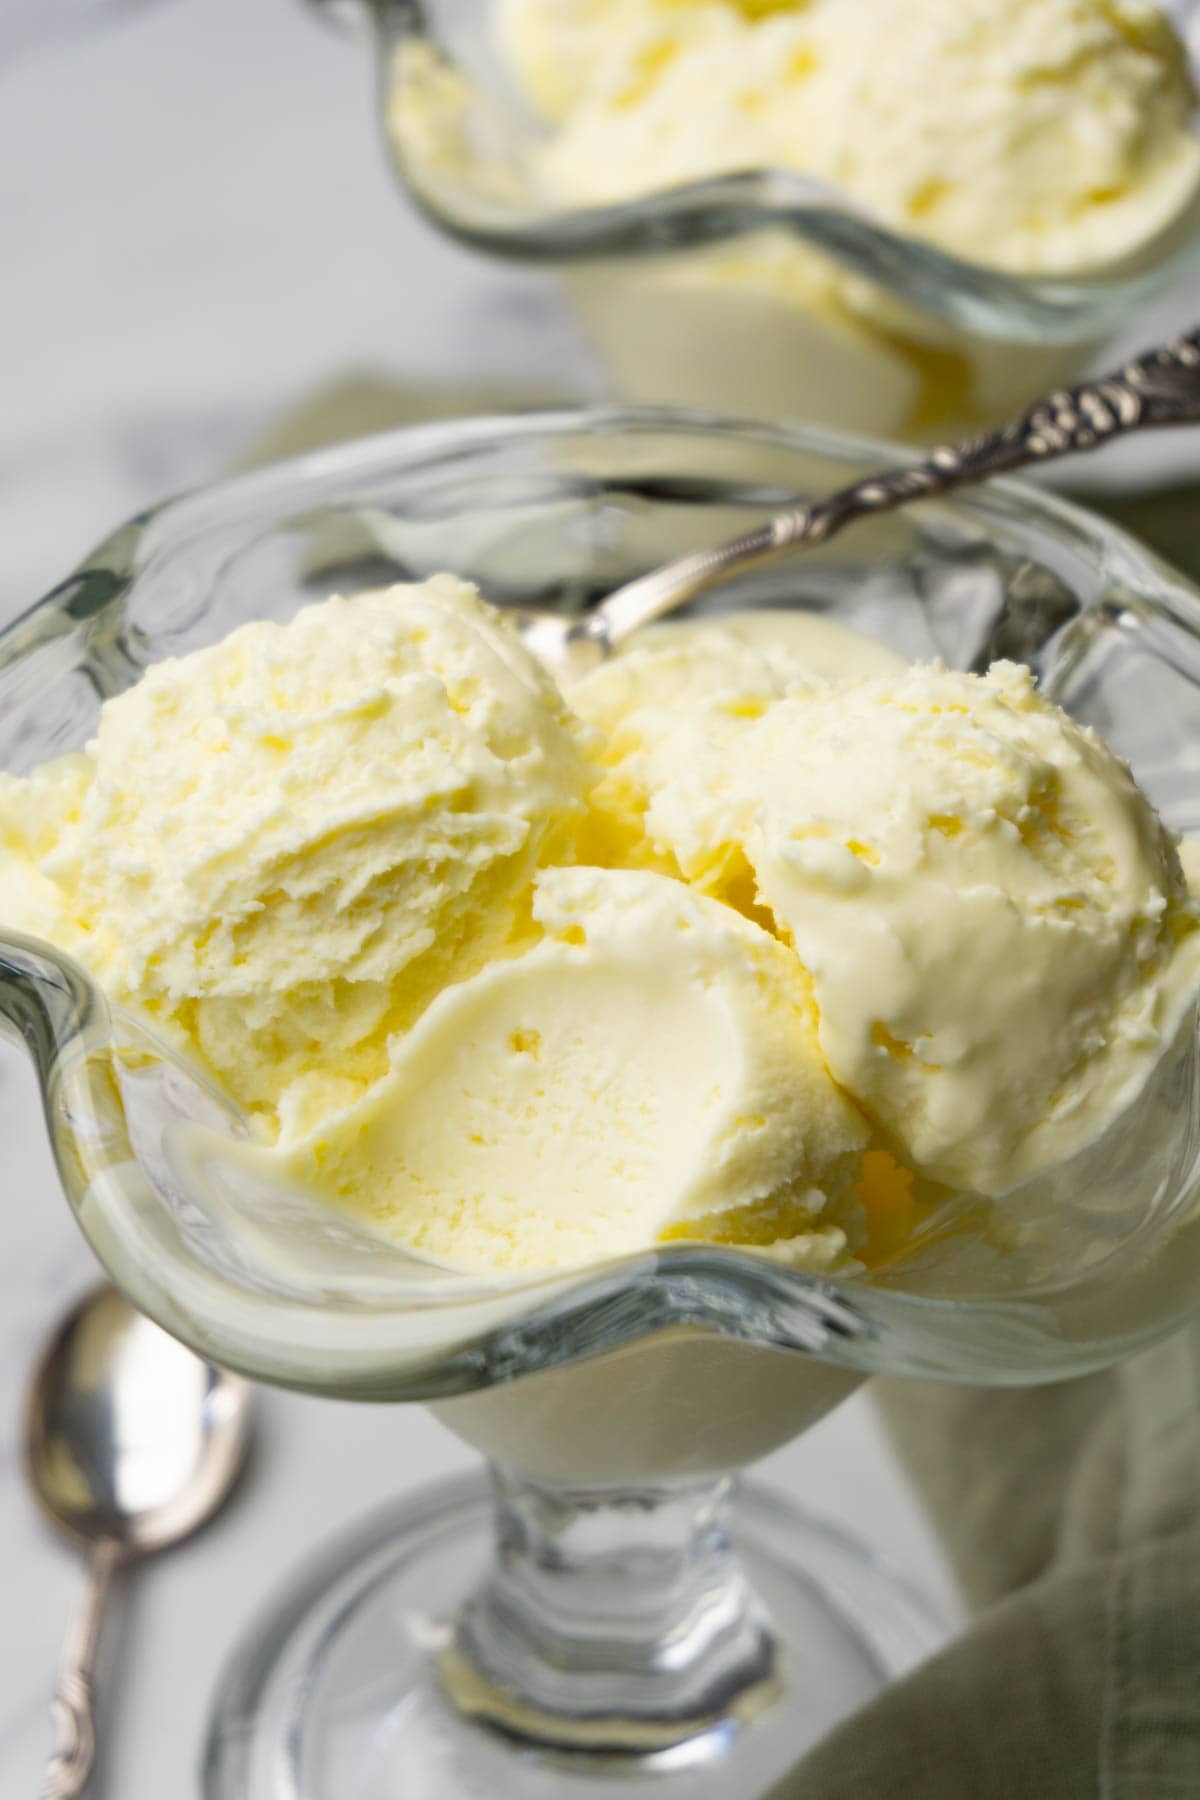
(613, 1620)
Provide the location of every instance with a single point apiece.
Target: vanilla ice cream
(1037, 137)
(759, 936)
(647, 1070)
(331, 861)
(997, 927)
(281, 847)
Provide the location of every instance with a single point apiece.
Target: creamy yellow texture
(1036, 136)
(996, 924)
(756, 938)
(649, 1061)
(280, 848)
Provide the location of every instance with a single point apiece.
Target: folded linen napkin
(1071, 1514)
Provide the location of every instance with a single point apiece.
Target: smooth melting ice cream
(1037, 137)
(647, 1069)
(751, 939)
(990, 913)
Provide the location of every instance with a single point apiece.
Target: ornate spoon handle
(1160, 388)
(74, 1724)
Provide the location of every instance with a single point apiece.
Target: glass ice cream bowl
(613, 1602)
(694, 296)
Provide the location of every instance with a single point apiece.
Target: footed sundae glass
(611, 1603)
(898, 337)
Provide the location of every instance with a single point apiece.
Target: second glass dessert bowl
(627, 1613)
(692, 294)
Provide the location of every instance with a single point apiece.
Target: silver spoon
(132, 1442)
(1160, 388)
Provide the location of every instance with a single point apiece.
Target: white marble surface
(196, 231)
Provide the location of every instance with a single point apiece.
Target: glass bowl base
(337, 1694)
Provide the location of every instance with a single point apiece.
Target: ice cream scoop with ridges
(1038, 136)
(703, 954)
(281, 847)
(997, 926)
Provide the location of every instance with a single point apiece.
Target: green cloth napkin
(1070, 1513)
(1169, 521)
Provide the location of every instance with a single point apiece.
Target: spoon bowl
(130, 1436)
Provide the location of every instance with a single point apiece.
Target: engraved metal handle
(1160, 388)
(74, 1751)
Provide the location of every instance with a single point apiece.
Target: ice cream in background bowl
(805, 210)
(611, 980)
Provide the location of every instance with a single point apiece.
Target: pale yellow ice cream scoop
(648, 1069)
(281, 847)
(996, 923)
(1038, 136)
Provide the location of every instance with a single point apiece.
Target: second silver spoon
(132, 1442)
